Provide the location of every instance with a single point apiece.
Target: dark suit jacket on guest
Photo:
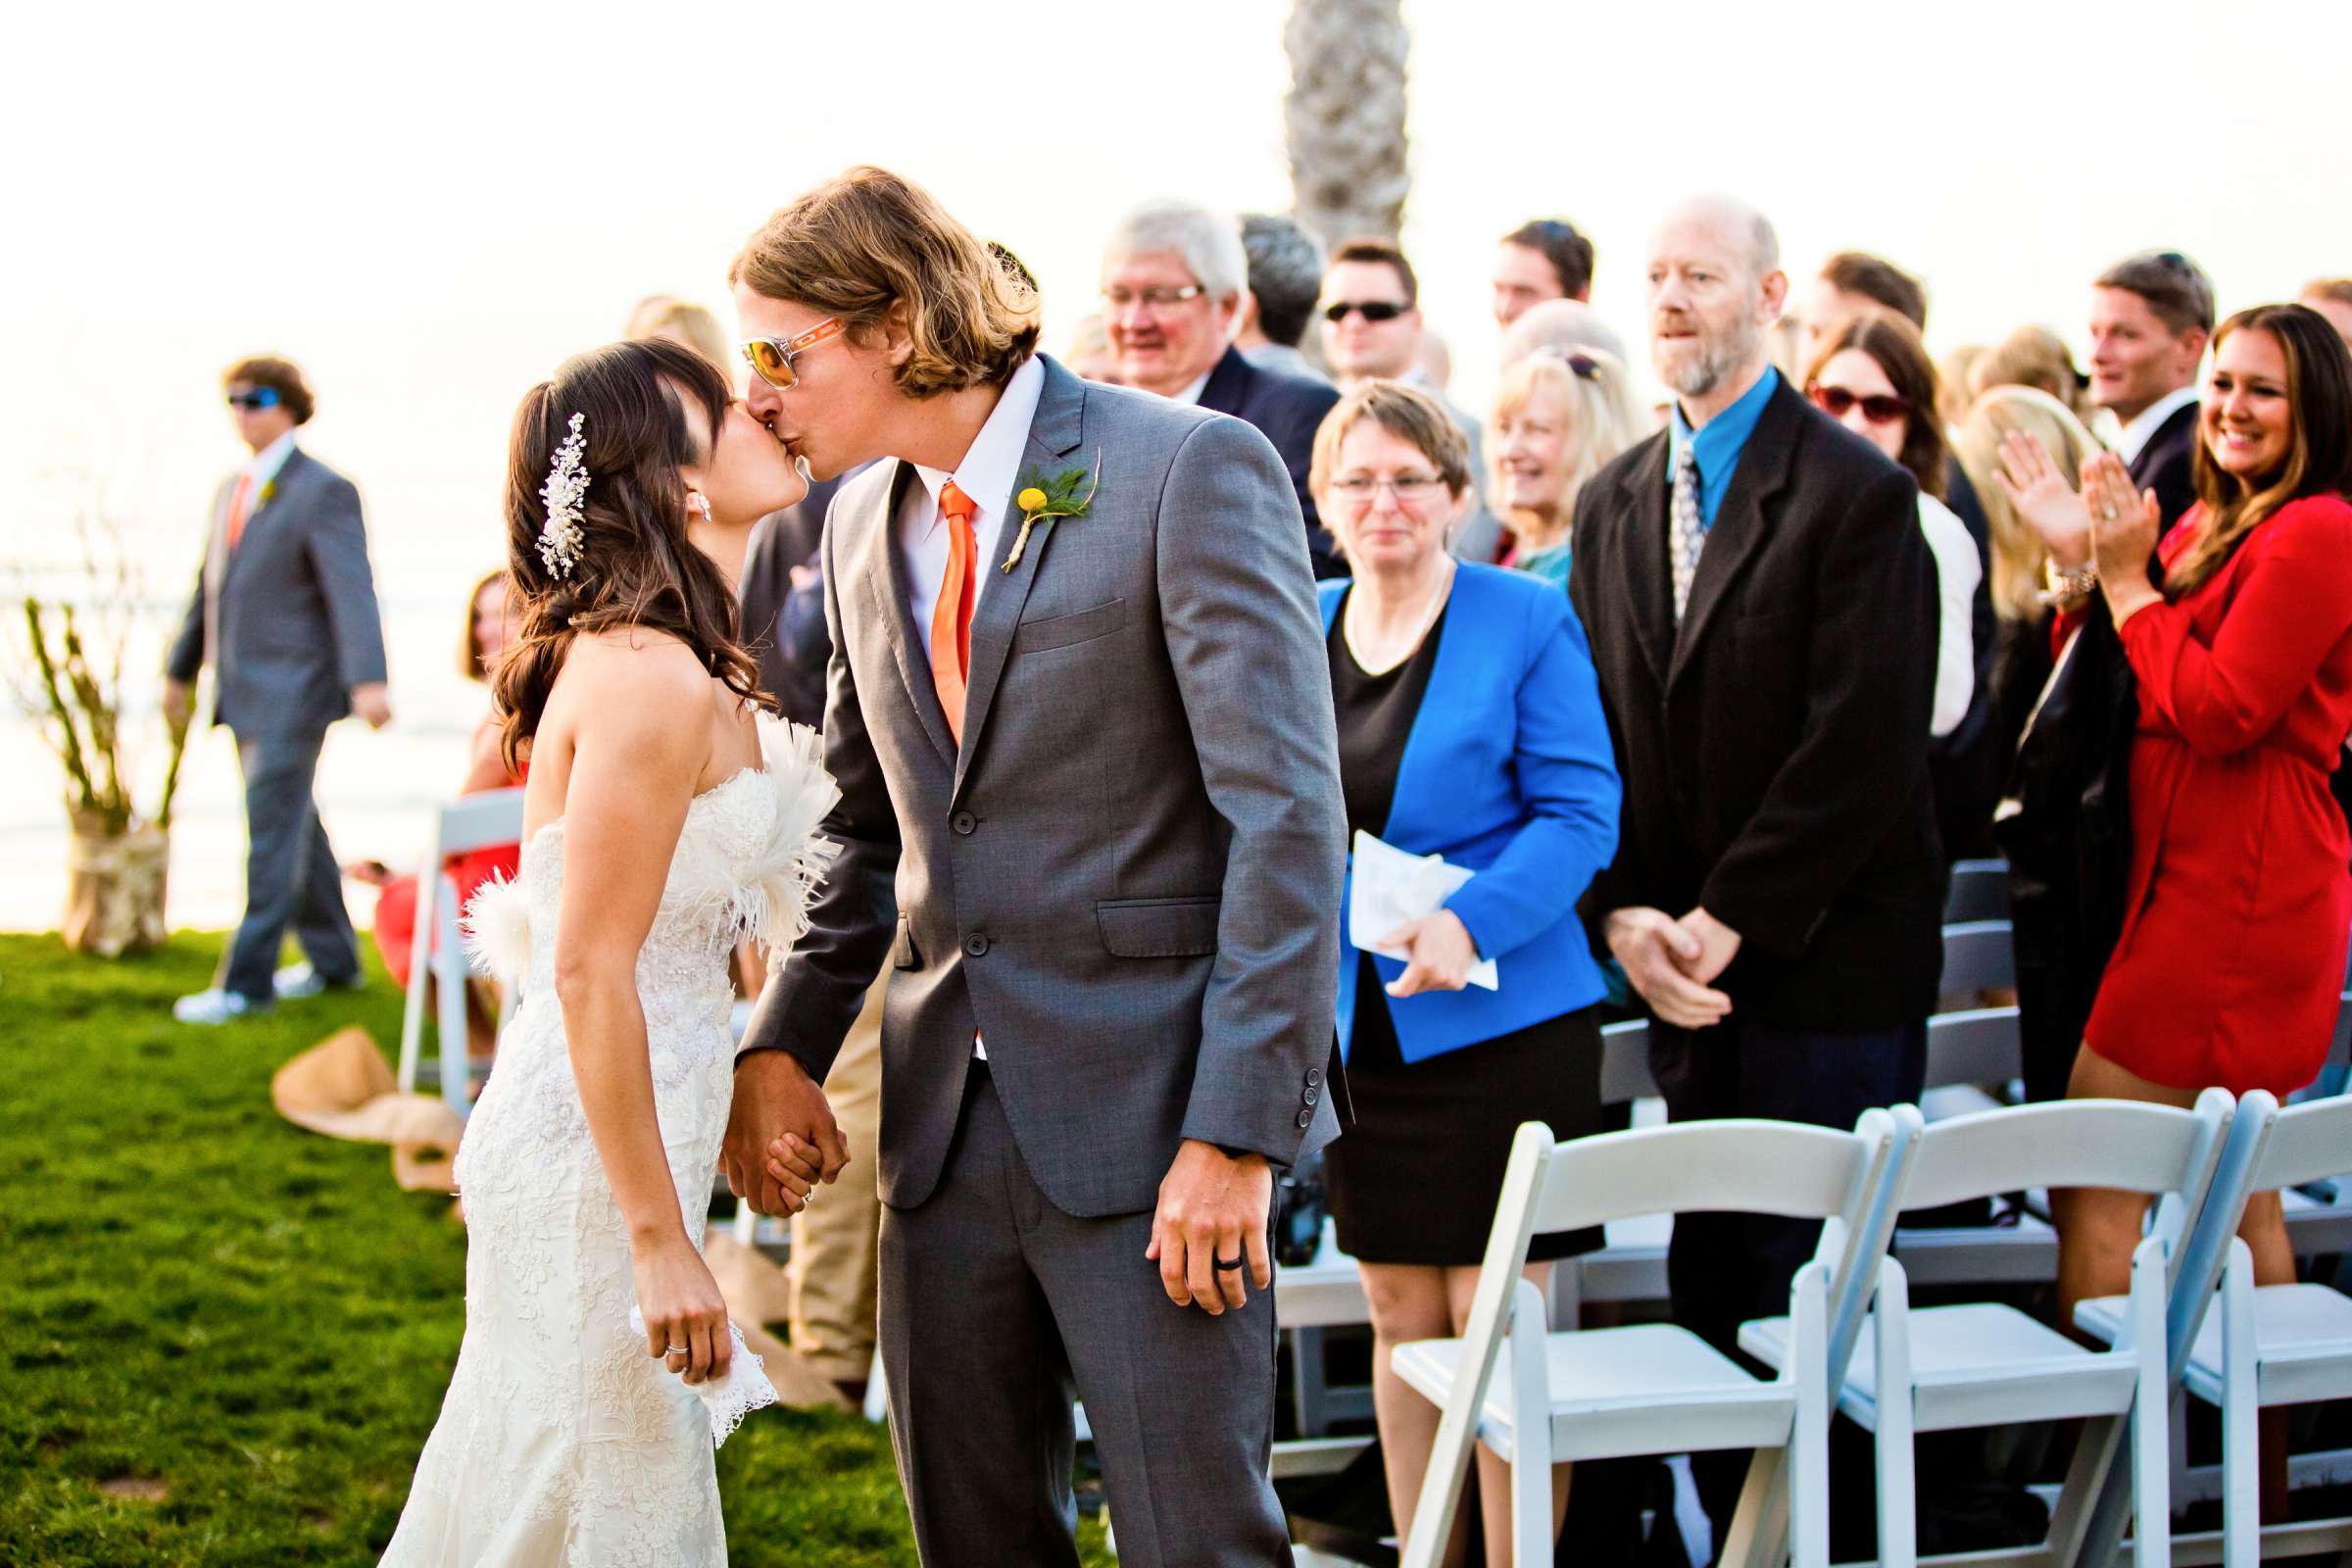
(288, 619)
(2168, 464)
(1286, 411)
(1774, 754)
(783, 627)
(1126, 877)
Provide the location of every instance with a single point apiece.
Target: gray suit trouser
(291, 879)
(996, 1307)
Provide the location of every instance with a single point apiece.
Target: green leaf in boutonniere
(1066, 494)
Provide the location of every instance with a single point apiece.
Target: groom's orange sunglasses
(772, 357)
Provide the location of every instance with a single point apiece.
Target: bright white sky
(430, 204)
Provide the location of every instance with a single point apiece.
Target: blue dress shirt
(1720, 442)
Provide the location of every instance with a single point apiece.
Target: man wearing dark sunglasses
(284, 611)
(1372, 331)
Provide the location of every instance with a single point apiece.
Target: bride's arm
(637, 753)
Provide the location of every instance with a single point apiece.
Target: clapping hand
(2042, 497)
(1668, 962)
(1439, 953)
(2124, 528)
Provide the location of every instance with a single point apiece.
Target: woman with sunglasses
(1559, 417)
(1873, 376)
(1470, 727)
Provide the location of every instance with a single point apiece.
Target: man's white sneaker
(215, 1008)
(298, 982)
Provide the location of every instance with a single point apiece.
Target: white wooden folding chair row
(1935, 1369)
(470, 822)
(1538, 1398)
(1980, 891)
(2266, 1345)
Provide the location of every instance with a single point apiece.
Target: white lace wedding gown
(561, 1442)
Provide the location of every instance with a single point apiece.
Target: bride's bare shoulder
(629, 666)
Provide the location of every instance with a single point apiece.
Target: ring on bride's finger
(678, 1349)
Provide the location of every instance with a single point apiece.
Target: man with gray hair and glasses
(1174, 276)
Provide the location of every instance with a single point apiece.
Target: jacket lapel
(1053, 433)
(1646, 576)
(1739, 528)
(887, 585)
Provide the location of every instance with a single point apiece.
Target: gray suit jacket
(1127, 879)
(288, 619)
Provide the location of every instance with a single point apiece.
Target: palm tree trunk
(1344, 117)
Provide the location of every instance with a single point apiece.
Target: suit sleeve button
(1311, 1095)
(1307, 1120)
(1314, 1076)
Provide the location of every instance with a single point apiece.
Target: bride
(599, 1368)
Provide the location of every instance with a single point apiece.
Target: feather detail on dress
(498, 929)
(772, 893)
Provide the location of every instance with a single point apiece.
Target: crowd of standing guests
(1706, 697)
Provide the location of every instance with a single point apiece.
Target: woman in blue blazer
(1470, 727)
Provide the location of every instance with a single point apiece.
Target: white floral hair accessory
(565, 490)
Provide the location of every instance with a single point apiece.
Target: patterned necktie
(238, 508)
(952, 615)
(1686, 535)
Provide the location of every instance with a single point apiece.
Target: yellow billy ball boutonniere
(1042, 497)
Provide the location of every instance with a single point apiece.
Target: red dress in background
(396, 904)
(2232, 957)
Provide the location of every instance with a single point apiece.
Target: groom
(1091, 815)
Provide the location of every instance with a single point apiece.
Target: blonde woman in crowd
(1559, 417)
(2035, 357)
(676, 320)
(2003, 409)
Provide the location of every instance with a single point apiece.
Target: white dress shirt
(990, 468)
(265, 464)
(1192, 393)
(1957, 573)
(988, 472)
(2140, 432)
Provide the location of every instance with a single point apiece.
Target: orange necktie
(237, 508)
(952, 617)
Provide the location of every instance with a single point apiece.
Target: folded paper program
(1393, 888)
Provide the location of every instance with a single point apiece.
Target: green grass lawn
(226, 1338)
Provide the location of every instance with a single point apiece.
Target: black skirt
(1416, 1177)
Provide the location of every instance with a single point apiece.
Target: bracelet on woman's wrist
(2067, 586)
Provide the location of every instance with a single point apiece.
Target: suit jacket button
(1314, 1076)
(964, 823)
(975, 943)
(1311, 1094)
(1307, 1120)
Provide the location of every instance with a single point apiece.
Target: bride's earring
(698, 505)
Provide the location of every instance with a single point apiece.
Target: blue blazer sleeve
(1568, 779)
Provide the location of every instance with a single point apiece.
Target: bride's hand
(685, 1316)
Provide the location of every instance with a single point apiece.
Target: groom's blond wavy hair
(869, 239)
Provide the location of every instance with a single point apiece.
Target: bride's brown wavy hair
(635, 565)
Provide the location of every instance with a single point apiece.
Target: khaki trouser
(835, 1237)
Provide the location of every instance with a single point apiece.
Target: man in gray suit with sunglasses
(284, 611)
(1081, 719)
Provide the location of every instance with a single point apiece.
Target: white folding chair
(470, 822)
(1983, 1364)
(2270, 1344)
(1652, 1387)
(1980, 891)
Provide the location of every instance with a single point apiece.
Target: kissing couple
(1079, 791)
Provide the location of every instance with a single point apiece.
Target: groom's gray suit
(1127, 881)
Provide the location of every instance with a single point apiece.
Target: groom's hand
(1212, 1206)
(775, 1101)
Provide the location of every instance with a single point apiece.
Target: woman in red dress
(2232, 954)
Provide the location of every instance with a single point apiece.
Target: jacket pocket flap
(1158, 928)
(1061, 631)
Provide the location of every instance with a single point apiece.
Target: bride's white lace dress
(562, 1441)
